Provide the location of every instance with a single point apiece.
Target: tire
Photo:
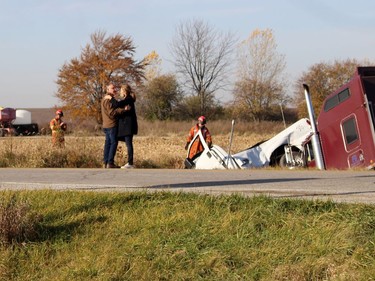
(298, 159)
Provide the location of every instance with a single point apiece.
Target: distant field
(87, 151)
(158, 145)
(43, 116)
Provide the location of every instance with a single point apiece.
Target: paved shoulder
(348, 186)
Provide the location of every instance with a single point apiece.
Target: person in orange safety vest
(197, 146)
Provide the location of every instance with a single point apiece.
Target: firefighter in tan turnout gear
(58, 128)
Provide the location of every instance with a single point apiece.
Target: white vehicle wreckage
(296, 146)
(289, 148)
(343, 137)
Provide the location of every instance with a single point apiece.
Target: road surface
(339, 186)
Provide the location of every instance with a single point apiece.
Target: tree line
(207, 62)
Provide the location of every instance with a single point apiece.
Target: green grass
(177, 236)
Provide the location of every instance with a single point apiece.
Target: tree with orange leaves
(82, 81)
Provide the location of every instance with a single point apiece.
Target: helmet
(202, 119)
(59, 112)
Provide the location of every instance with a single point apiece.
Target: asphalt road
(340, 186)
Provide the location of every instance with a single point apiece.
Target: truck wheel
(298, 161)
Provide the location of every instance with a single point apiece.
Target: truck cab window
(350, 130)
(344, 95)
(336, 99)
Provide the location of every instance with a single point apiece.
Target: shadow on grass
(228, 183)
(79, 218)
(64, 231)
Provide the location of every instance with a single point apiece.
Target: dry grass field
(158, 145)
(71, 235)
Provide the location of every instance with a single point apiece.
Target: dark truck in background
(16, 122)
(26, 129)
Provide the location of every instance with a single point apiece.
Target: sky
(38, 36)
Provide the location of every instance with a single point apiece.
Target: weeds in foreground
(17, 223)
(176, 236)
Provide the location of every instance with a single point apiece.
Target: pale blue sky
(38, 36)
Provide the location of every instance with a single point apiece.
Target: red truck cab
(346, 123)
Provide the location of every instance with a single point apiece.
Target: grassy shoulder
(169, 236)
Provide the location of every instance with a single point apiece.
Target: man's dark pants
(110, 145)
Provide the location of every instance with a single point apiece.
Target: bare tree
(260, 85)
(202, 56)
(82, 82)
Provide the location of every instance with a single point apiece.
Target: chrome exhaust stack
(315, 137)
